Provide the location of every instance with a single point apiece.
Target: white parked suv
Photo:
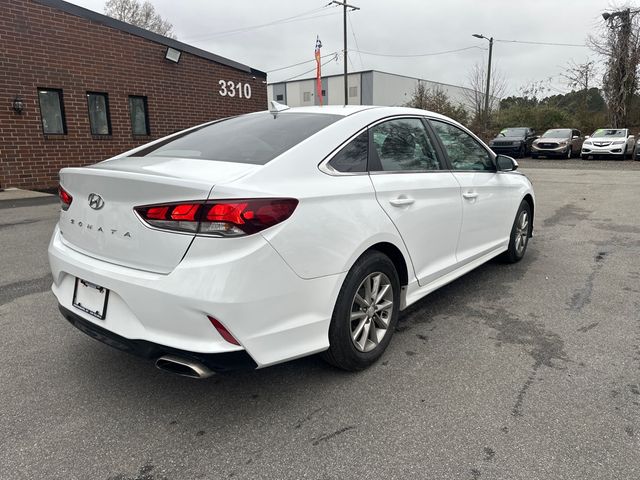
(609, 142)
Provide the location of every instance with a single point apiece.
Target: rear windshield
(256, 138)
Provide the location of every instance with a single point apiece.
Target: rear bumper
(218, 362)
(274, 314)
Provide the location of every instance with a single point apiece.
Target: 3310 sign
(231, 89)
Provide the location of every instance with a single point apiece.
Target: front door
(418, 193)
(488, 197)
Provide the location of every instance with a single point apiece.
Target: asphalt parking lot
(526, 371)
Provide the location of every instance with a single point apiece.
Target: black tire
(342, 352)
(514, 253)
(534, 155)
(585, 157)
(521, 151)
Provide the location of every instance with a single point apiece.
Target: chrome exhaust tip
(183, 366)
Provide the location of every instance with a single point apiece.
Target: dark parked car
(514, 141)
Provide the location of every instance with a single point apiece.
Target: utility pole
(488, 86)
(486, 97)
(346, 6)
(621, 75)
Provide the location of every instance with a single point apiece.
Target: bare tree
(436, 100)
(140, 14)
(477, 88)
(580, 76)
(619, 43)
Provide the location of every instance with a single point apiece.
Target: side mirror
(505, 163)
(587, 137)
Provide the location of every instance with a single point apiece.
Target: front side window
(52, 111)
(256, 138)
(99, 113)
(464, 152)
(402, 145)
(139, 115)
(352, 158)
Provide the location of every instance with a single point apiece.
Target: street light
(486, 95)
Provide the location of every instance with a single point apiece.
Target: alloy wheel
(371, 311)
(522, 232)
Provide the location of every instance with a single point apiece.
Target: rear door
(489, 199)
(417, 192)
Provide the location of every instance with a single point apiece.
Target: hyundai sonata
(261, 238)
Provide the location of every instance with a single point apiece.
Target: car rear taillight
(65, 198)
(244, 217)
(223, 218)
(181, 217)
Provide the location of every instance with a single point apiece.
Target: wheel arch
(396, 256)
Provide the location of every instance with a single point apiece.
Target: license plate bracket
(90, 298)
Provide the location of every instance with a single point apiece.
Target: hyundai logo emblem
(95, 201)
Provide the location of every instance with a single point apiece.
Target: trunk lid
(113, 232)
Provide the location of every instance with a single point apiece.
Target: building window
(52, 111)
(353, 91)
(139, 114)
(99, 118)
(279, 98)
(324, 93)
(306, 97)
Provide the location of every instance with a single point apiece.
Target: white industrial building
(370, 87)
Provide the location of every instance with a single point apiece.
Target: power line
(419, 54)
(308, 15)
(301, 63)
(355, 40)
(335, 57)
(542, 43)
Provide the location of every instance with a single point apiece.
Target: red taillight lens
(243, 217)
(182, 217)
(65, 198)
(223, 331)
(225, 218)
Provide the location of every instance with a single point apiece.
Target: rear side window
(256, 138)
(353, 156)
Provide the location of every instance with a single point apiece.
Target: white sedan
(265, 237)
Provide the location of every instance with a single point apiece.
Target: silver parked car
(558, 142)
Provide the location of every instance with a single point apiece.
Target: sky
(392, 28)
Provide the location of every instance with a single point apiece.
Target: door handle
(470, 195)
(401, 201)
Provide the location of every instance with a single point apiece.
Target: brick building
(77, 87)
